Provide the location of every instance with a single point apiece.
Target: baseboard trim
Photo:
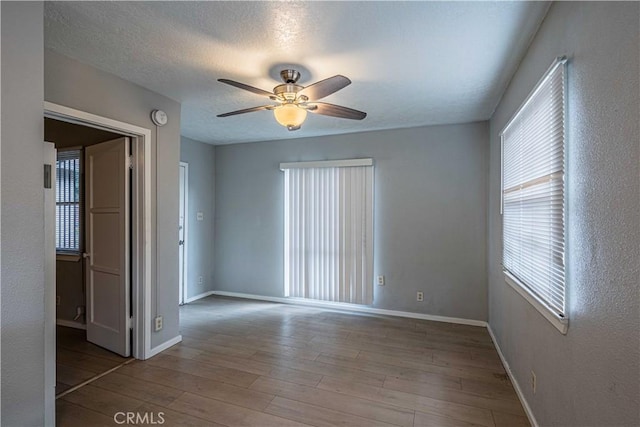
(516, 386)
(162, 347)
(71, 324)
(199, 296)
(353, 307)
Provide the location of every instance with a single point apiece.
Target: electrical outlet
(420, 296)
(533, 382)
(200, 216)
(158, 323)
(58, 299)
(380, 280)
(200, 280)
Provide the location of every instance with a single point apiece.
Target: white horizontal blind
(533, 191)
(328, 233)
(68, 201)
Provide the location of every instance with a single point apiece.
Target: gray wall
(430, 214)
(85, 88)
(22, 219)
(70, 289)
(201, 159)
(590, 376)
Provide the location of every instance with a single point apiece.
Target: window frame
(66, 254)
(559, 320)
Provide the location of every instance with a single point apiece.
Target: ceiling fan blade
(246, 87)
(246, 110)
(325, 87)
(336, 111)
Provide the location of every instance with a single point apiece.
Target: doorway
(91, 185)
(139, 244)
(182, 230)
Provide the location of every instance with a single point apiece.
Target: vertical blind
(68, 201)
(533, 167)
(328, 231)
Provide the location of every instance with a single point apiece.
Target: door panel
(107, 234)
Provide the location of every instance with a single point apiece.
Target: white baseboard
(71, 324)
(516, 386)
(200, 296)
(162, 347)
(353, 307)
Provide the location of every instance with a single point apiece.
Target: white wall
(22, 220)
(200, 238)
(591, 376)
(430, 214)
(76, 85)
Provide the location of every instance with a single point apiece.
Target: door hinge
(47, 176)
(130, 162)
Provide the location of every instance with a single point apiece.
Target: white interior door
(107, 243)
(182, 230)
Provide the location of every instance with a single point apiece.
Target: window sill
(68, 257)
(560, 323)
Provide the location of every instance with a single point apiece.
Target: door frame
(49, 158)
(185, 249)
(141, 228)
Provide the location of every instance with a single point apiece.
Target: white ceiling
(411, 63)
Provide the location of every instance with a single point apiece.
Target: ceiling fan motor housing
(290, 76)
(287, 91)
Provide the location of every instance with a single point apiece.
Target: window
(533, 175)
(68, 201)
(328, 230)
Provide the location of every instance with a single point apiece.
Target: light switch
(200, 216)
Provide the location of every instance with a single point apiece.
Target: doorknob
(86, 255)
(180, 242)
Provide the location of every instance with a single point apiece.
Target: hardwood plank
(227, 414)
(205, 387)
(60, 387)
(426, 366)
(334, 350)
(295, 376)
(71, 415)
(176, 419)
(209, 347)
(430, 420)
(138, 389)
(394, 371)
(409, 401)
(509, 420)
(72, 376)
(457, 396)
(343, 403)
(321, 368)
(497, 390)
(317, 416)
(205, 370)
(87, 362)
(103, 401)
(449, 358)
(242, 364)
(183, 351)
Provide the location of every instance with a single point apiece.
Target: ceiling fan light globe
(290, 115)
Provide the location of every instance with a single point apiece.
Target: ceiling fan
(292, 101)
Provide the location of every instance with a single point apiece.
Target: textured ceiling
(411, 63)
